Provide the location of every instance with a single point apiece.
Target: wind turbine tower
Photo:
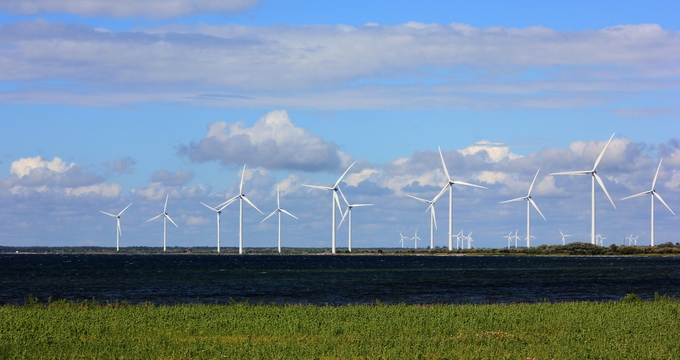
(165, 217)
(349, 211)
(653, 194)
(594, 177)
(278, 210)
(433, 217)
(530, 202)
(119, 231)
(334, 201)
(449, 186)
(241, 196)
(218, 211)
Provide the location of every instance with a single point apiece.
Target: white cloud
(273, 142)
(495, 151)
(155, 9)
(196, 220)
(320, 66)
(105, 190)
(24, 166)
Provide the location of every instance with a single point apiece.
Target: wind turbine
(279, 210)
(516, 238)
(335, 201)
(449, 186)
(460, 237)
(415, 240)
(594, 177)
(119, 232)
(509, 237)
(469, 240)
(634, 239)
(349, 211)
(531, 202)
(599, 239)
(241, 196)
(630, 239)
(433, 217)
(218, 211)
(564, 242)
(653, 194)
(402, 239)
(165, 217)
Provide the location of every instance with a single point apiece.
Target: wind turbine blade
(243, 174)
(657, 174)
(155, 217)
(343, 196)
(336, 199)
(663, 202)
(599, 181)
(343, 175)
(121, 213)
(287, 213)
(597, 162)
(343, 217)
(270, 215)
(532, 183)
(169, 218)
(361, 205)
(251, 204)
(446, 187)
(513, 200)
(209, 207)
(537, 209)
(446, 171)
(419, 199)
(434, 218)
(318, 187)
(637, 195)
(104, 212)
(581, 172)
(223, 205)
(278, 198)
(468, 184)
(165, 207)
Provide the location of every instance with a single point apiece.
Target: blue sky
(107, 103)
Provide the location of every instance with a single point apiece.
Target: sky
(105, 103)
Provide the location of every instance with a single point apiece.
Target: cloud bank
(154, 9)
(337, 67)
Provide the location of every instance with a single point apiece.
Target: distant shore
(576, 248)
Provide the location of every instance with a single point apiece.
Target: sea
(333, 279)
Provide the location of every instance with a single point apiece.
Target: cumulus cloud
(494, 151)
(273, 142)
(122, 166)
(155, 9)
(37, 176)
(401, 66)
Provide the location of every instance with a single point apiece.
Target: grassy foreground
(629, 329)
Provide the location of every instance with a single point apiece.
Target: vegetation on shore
(574, 248)
(626, 329)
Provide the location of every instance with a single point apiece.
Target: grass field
(628, 329)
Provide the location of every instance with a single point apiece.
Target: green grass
(628, 329)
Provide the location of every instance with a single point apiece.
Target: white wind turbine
(433, 217)
(119, 231)
(449, 186)
(599, 240)
(402, 239)
(469, 240)
(460, 237)
(594, 177)
(415, 239)
(634, 239)
(349, 211)
(278, 210)
(241, 196)
(531, 202)
(516, 238)
(165, 217)
(653, 194)
(629, 239)
(334, 201)
(564, 236)
(509, 237)
(218, 211)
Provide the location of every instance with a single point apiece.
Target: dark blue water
(337, 280)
